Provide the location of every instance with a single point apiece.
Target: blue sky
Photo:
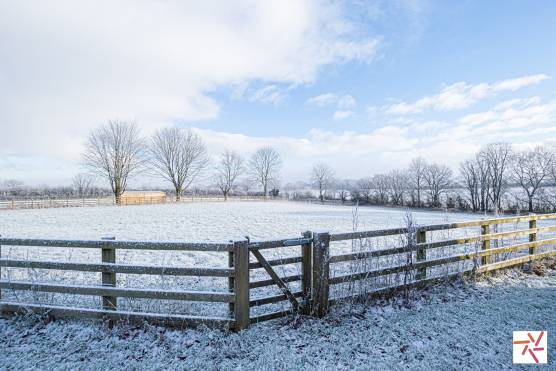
(421, 50)
(362, 85)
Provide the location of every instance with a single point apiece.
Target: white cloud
(462, 95)
(518, 83)
(356, 154)
(341, 101)
(523, 122)
(340, 115)
(514, 113)
(517, 102)
(68, 66)
(269, 94)
(346, 101)
(427, 126)
(322, 100)
(351, 153)
(517, 121)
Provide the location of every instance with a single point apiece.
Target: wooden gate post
(485, 229)
(241, 285)
(532, 236)
(421, 254)
(109, 279)
(321, 274)
(306, 273)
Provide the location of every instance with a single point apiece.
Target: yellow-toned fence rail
(316, 260)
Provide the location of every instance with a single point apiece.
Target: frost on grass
(200, 222)
(463, 325)
(210, 222)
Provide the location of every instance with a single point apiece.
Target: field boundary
(111, 201)
(314, 260)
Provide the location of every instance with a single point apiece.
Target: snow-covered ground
(207, 221)
(203, 222)
(467, 325)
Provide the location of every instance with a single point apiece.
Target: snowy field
(451, 327)
(206, 222)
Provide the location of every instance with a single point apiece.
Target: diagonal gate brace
(276, 279)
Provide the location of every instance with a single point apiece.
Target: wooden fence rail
(107, 289)
(55, 203)
(111, 201)
(316, 294)
(306, 290)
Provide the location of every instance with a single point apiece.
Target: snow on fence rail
(417, 261)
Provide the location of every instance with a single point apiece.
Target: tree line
(82, 186)
(117, 151)
(496, 178)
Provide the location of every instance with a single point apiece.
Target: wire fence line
(110, 201)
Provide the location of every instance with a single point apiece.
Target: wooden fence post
(306, 273)
(532, 236)
(231, 280)
(421, 254)
(485, 229)
(321, 274)
(241, 285)
(109, 279)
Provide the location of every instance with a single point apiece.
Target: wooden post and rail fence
(313, 264)
(124, 201)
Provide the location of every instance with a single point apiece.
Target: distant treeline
(497, 178)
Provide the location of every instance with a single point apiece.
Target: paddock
(241, 281)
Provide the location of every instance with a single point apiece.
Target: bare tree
(365, 187)
(115, 151)
(245, 185)
(265, 167)
(497, 157)
(397, 185)
(178, 156)
(553, 167)
(227, 171)
(437, 179)
(82, 184)
(381, 187)
(343, 190)
(322, 177)
(416, 179)
(484, 181)
(13, 185)
(470, 175)
(530, 169)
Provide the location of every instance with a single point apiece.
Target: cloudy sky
(362, 85)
